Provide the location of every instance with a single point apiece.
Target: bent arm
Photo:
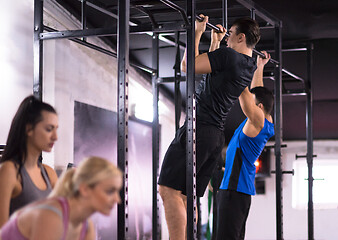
(7, 185)
(257, 80)
(202, 63)
(254, 114)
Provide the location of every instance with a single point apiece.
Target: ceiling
(303, 22)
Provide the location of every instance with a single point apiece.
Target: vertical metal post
(155, 65)
(225, 14)
(278, 131)
(84, 16)
(253, 13)
(191, 125)
(177, 69)
(122, 156)
(309, 138)
(38, 49)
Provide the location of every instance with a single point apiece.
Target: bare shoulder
(8, 171)
(91, 230)
(51, 174)
(32, 218)
(51, 222)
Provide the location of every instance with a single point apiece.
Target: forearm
(198, 36)
(257, 80)
(214, 45)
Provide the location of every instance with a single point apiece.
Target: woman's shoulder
(9, 169)
(51, 174)
(44, 213)
(43, 209)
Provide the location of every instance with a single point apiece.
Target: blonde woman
(92, 187)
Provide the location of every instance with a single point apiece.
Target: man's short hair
(251, 30)
(265, 97)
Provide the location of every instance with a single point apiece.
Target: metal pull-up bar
(217, 29)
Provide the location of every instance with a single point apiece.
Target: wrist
(260, 68)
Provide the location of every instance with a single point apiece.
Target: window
(325, 195)
(141, 101)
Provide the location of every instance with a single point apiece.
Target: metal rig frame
(122, 32)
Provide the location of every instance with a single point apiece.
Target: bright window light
(142, 101)
(324, 184)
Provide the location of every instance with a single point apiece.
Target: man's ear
(261, 106)
(241, 37)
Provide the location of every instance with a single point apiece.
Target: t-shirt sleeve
(218, 59)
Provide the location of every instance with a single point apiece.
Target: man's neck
(268, 117)
(244, 50)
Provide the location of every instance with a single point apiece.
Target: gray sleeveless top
(30, 192)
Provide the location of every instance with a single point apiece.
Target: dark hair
(265, 97)
(29, 112)
(250, 28)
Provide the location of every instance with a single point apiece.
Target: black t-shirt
(231, 72)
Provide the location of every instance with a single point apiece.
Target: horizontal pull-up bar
(217, 29)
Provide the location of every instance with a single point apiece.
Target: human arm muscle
(254, 114)
(8, 179)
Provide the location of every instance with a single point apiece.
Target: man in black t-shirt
(229, 70)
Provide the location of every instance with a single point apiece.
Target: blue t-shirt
(242, 152)
(217, 92)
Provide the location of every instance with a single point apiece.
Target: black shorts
(232, 213)
(209, 144)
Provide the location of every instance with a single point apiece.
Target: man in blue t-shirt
(229, 71)
(247, 143)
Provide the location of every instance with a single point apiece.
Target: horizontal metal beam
(292, 75)
(301, 49)
(169, 79)
(293, 93)
(287, 72)
(102, 9)
(100, 32)
(259, 11)
(104, 51)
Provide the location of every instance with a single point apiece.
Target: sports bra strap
(48, 207)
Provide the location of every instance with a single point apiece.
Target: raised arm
(254, 114)
(202, 63)
(257, 80)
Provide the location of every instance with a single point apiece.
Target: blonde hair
(90, 171)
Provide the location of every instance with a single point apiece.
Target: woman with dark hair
(23, 178)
